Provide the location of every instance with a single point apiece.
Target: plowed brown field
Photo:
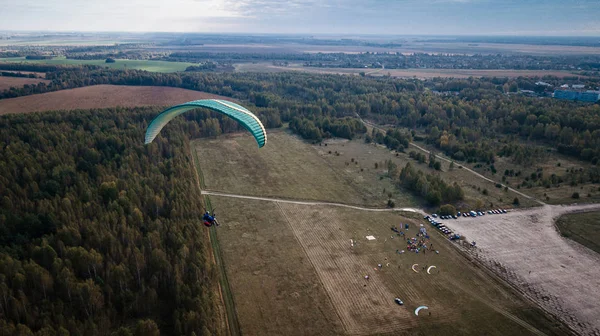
(101, 96)
(7, 82)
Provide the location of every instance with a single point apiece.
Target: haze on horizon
(393, 17)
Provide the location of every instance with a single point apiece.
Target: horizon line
(503, 34)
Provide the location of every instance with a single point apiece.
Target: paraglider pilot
(209, 220)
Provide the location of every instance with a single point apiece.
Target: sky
(393, 17)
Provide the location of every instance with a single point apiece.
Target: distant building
(584, 96)
(578, 86)
(564, 86)
(543, 84)
(527, 92)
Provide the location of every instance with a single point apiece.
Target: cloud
(304, 16)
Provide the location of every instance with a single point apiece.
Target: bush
(575, 195)
(110, 60)
(447, 209)
(516, 201)
(391, 203)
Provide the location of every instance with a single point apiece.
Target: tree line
(17, 74)
(393, 139)
(317, 129)
(431, 187)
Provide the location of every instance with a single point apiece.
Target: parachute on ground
(429, 268)
(421, 307)
(413, 268)
(232, 110)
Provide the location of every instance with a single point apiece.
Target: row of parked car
(469, 214)
(440, 226)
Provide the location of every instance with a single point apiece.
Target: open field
(293, 271)
(90, 40)
(495, 48)
(401, 73)
(525, 249)
(7, 82)
(583, 228)
(285, 168)
(274, 285)
(408, 47)
(154, 66)
(349, 176)
(101, 96)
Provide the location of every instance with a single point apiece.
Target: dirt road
(281, 200)
(525, 249)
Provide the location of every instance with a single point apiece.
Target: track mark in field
(364, 306)
(497, 308)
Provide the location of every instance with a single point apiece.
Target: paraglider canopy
(421, 307)
(239, 113)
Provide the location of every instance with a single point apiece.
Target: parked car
(398, 301)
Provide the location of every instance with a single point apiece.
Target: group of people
(419, 243)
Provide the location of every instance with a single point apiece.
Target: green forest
(100, 234)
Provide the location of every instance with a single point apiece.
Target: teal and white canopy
(232, 110)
